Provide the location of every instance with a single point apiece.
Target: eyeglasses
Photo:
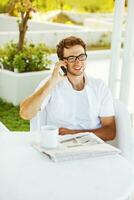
(72, 59)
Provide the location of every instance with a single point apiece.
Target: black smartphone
(64, 70)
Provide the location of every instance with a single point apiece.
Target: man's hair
(67, 43)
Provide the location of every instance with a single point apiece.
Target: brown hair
(67, 43)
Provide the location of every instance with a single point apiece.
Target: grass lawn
(9, 115)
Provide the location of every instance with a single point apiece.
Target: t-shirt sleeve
(47, 98)
(106, 101)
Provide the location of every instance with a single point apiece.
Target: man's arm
(30, 106)
(106, 132)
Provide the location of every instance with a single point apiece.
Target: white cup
(49, 136)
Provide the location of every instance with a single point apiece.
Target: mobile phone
(64, 70)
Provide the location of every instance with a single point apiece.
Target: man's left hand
(65, 131)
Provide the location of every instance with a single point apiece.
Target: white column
(116, 45)
(128, 64)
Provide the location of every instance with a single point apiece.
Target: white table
(26, 174)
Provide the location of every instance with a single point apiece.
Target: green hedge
(31, 58)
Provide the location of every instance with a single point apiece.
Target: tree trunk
(22, 29)
(22, 33)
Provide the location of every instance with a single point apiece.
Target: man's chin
(76, 73)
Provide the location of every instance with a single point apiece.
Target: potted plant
(30, 58)
(22, 57)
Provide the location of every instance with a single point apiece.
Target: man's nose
(77, 60)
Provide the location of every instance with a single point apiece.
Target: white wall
(14, 87)
(80, 17)
(9, 24)
(50, 33)
(52, 38)
(98, 24)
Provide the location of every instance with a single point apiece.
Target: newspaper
(78, 146)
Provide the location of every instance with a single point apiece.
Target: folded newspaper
(78, 146)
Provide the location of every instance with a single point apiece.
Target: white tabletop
(26, 174)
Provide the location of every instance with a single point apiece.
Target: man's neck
(78, 82)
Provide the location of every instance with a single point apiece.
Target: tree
(23, 8)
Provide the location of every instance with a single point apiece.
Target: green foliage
(31, 58)
(3, 5)
(76, 5)
(95, 47)
(9, 115)
(18, 7)
(83, 6)
(63, 18)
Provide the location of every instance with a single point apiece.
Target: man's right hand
(56, 76)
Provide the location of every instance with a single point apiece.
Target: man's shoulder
(92, 81)
(97, 85)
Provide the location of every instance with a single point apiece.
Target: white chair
(37, 121)
(3, 128)
(123, 139)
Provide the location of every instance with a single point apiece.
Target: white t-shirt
(69, 108)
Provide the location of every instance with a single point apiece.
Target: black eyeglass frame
(66, 58)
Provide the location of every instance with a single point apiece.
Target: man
(74, 103)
